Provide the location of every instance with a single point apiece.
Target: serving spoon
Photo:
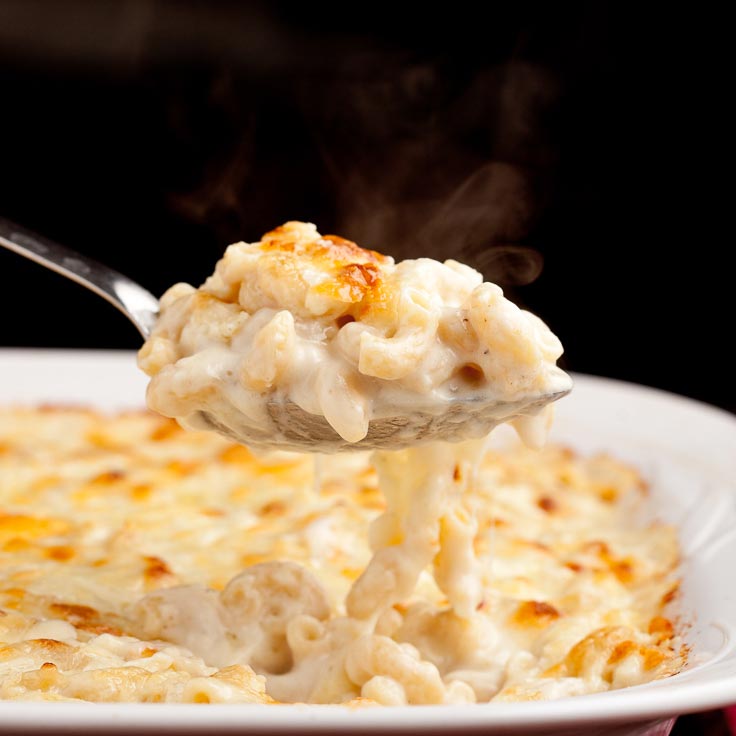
(473, 415)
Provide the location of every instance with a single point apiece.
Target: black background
(152, 134)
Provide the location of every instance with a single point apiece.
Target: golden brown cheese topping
(141, 562)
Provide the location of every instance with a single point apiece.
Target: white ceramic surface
(686, 450)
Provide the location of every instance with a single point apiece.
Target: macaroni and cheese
(142, 562)
(346, 334)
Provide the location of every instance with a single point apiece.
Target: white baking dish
(686, 450)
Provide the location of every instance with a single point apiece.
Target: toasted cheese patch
(139, 562)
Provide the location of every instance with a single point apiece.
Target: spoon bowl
(295, 429)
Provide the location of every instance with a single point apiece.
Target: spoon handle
(140, 306)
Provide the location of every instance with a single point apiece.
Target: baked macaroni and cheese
(142, 562)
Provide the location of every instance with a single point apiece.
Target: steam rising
(445, 170)
(412, 161)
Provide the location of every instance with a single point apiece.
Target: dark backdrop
(575, 137)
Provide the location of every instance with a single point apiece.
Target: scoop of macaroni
(342, 332)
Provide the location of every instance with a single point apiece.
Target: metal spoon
(137, 304)
(473, 415)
